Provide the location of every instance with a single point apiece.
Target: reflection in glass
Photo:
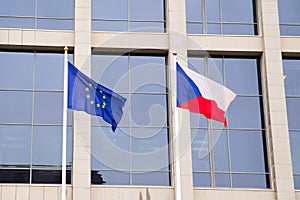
(15, 146)
(16, 107)
(201, 179)
(152, 178)
(250, 181)
(246, 151)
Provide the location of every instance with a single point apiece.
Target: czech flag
(201, 95)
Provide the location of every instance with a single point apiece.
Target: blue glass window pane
(241, 75)
(47, 146)
(215, 69)
(55, 8)
(250, 180)
(49, 71)
(246, 151)
(115, 177)
(111, 71)
(151, 112)
(290, 30)
(15, 146)
(202, 179)
(17, 22)
(151, 178)
(194, 28)
(48, 107)
(244, 13)
(146, 10)
(213, 28)
(194, 10)
(158, 27)
(110, 150)
(113, 9)
(220, 150)
(200, 150)
(18, 7)
(55, 24)
(293, 112)
(291, 69)
(149, 149)
(148, 74)
(295, 150)
(16, 107)
(239, 29)
(222, 180)
(289, 11)
(113, 25)
(297, 182)
(244, 112)
(198, 120)
(16, 70)
(197, 64)
(213, 10)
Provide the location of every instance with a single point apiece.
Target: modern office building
(158, 152)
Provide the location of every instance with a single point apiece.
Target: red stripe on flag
(208, 108)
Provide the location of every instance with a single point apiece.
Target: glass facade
(37, 14)
(292, 91)
(219, 17)
(235, 156)
(128, 15)
(138, 152)
(289, 18)
(31, 99)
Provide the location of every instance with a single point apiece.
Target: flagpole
(64, 139)
(176, 130)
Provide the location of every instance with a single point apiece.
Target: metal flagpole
(176, 130)
(64, 139)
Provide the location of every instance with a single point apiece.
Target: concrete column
(81, 173)
(182, 175)
(277, 126)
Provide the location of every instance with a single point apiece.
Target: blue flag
(84, 94)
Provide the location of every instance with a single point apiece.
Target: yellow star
(91, 85)
(100, 91)
(103, 106)
(88, 96)
(87, 89)
(104, 97)
(104, 103)
(98, 105)
(92, 102)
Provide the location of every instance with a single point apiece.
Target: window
(234, 156)
(31, 99)
(292, 91)
(289, 18)
(37, 14)
(128, 15)
(137, 153)
(221, 17)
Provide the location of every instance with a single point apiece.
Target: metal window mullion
(128, 22)
(130, 124)
(204, 24)
(211, 152)
(221, 16)
(32, 117)
(36, 14)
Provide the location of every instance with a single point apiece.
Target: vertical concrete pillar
(81, 172)
(277, 127)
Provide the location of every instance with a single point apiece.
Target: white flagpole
(176, 129)
(64, 139)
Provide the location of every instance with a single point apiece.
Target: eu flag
(84, 94)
